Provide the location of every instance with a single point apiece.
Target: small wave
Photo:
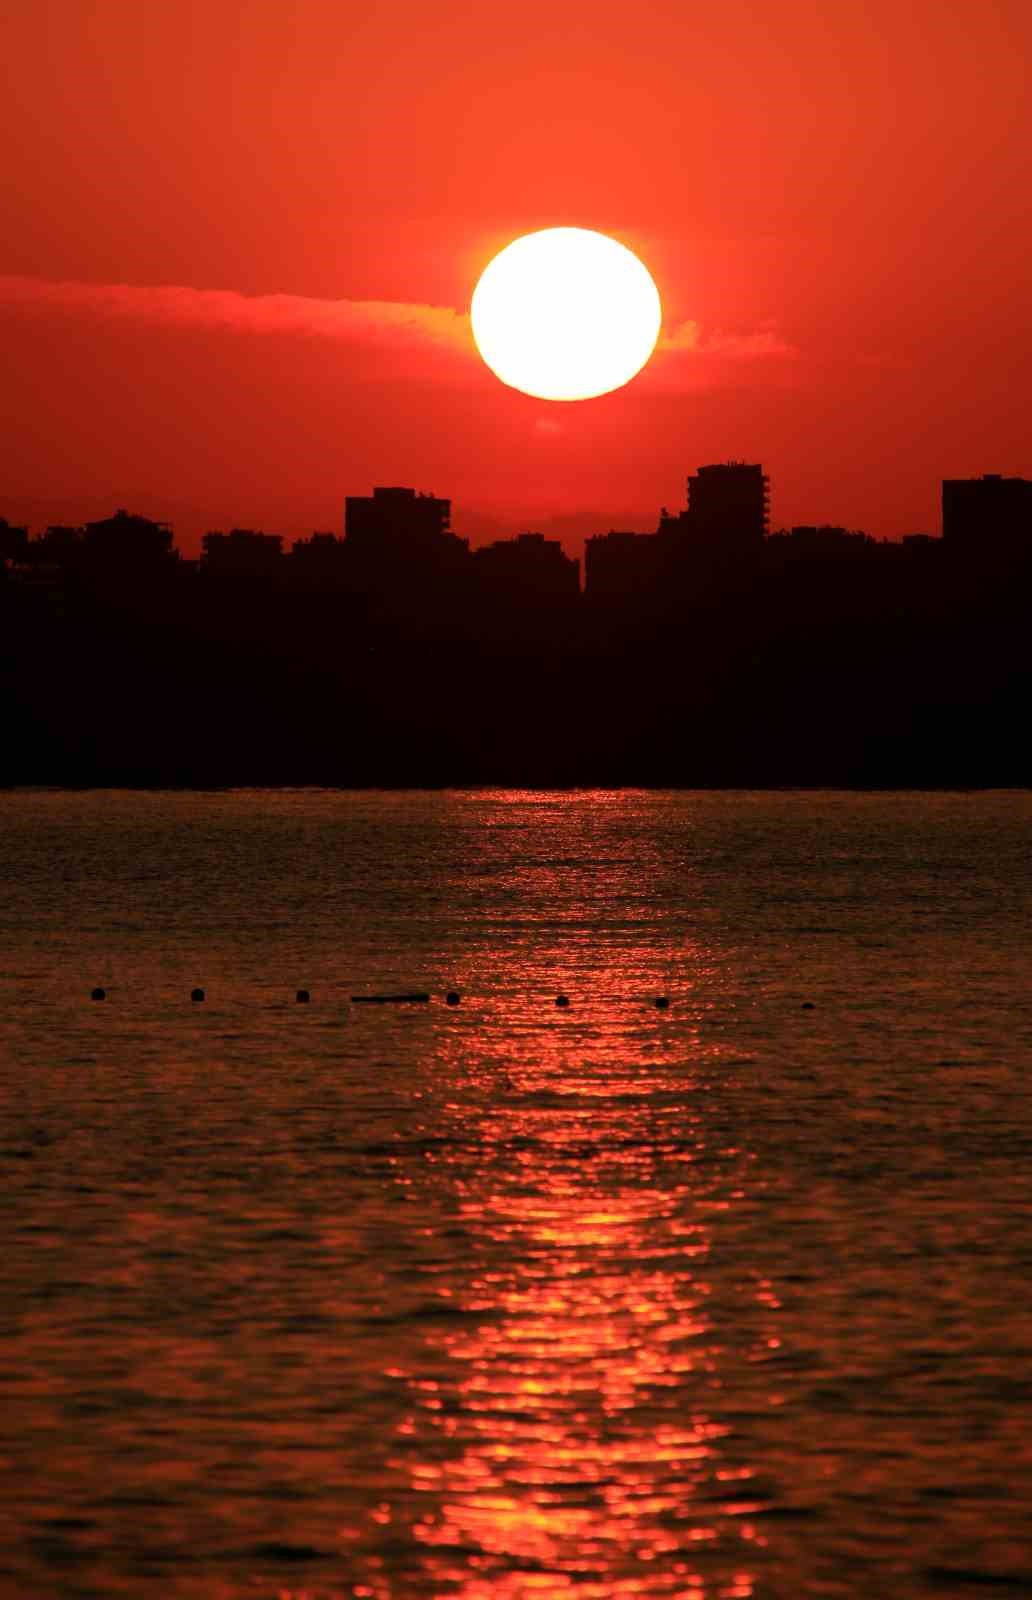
(273, 1550)
(978, 1578)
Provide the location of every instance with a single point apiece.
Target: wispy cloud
(765, 341)
(375, 324)
(359, 321)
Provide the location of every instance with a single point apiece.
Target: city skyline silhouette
(713, 652)
(728, 509)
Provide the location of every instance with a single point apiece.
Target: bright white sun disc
(566, 314)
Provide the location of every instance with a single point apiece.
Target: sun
(566, 314)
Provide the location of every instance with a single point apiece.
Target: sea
(507, 1300)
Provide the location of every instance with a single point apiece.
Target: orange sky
(239, 239)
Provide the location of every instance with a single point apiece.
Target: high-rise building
(401, 519)
(727, 513)
(728, 506)
(987, 516)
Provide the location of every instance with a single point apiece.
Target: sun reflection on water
(571, 1438)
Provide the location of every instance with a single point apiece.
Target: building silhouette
(323, 555)
(126, 539)
(616, 564)
(989, 516)
(532, 569)
(409, 571)
(242, 550)
(397, 518)
(727, 512)
(59, 544)
(826, 538)
(724, 522)
(122, 543)
(401, 554)
(14, 543)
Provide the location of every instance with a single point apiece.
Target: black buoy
(302, 997)
(98, 994)
(196, 995)
(808, 1005)
(562, 1000)
(452, 998)
(661, 1002)
(416, 998)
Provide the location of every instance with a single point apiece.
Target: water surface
(501, 1301)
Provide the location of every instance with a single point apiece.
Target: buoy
(661, 1002)
(302, 997)
(389, 999)
(808, 1005)
(452, 998)
(196, 995)
(98, 994)
(562, 1000)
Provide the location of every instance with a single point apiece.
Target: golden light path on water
(567, 1442)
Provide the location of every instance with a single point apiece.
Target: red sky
(238, 241)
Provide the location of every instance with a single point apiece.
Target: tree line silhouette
(710, 653)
